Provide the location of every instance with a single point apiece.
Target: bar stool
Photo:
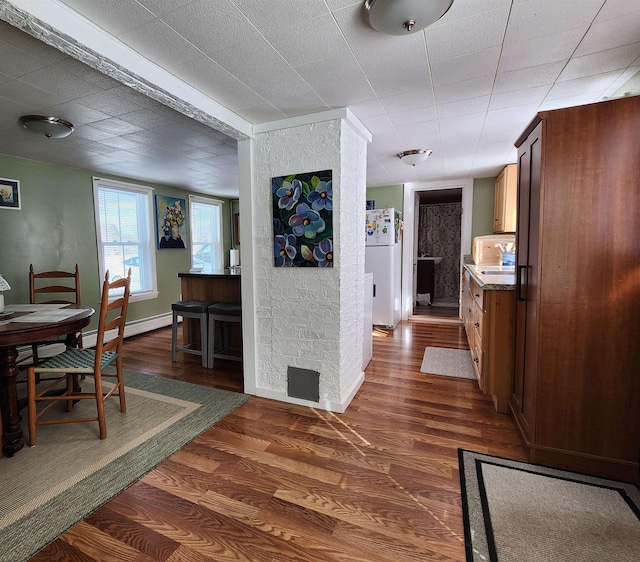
(194, 310)
(222, 312)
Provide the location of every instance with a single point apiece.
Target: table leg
(11, 430)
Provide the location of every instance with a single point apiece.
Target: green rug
(71, 472)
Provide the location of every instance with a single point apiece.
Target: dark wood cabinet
(576, 391)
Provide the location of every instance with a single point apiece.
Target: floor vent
(303, 383)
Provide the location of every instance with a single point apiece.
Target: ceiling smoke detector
(400, 17)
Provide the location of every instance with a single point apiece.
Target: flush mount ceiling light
(414, 157)
(400, 17)
(50, 127)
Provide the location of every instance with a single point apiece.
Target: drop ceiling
(465, 87)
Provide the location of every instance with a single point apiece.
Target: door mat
(448, 362)
(530, 513)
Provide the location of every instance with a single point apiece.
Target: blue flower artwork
(303, 220)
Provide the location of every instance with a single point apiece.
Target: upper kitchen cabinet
(504, 207)
(577, 377)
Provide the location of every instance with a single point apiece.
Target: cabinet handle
(519, 296)
(477, 295)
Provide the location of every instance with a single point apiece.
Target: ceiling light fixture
(414, 157)
(400, 17)
(50, 127)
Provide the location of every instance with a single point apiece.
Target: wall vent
(303, 383)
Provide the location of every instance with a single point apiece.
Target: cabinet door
(526, 339)
(499, 202)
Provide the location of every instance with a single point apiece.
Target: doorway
(453, 242)
(437, 253)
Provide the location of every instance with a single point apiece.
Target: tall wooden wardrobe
(576, 395)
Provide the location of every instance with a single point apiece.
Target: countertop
(502, 280)
(223, 273)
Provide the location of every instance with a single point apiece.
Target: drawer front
(476, 356)
(477, 294)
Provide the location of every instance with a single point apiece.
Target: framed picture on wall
(9, 194)
(303, 220)
(171, 222)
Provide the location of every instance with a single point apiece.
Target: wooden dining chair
(75, 361)
(54, 287)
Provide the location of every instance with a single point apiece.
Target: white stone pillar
(305, 317)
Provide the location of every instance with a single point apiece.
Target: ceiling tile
(514, 98)
(595, 83)
(610, 34)
(528, 77)
(464, 67)
(476, 33)
(612, 59)
(541, 18)
(389, 81)
(409, 100)
(115, 16)
(310, 40)
(157, 37)
(541, 50)
(466, 89)
(274, 16)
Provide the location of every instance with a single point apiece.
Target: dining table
(21, 325)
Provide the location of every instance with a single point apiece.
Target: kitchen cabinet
(488, 317)
(504, 207)
(577, 360)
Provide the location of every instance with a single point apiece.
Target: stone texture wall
(311, 317)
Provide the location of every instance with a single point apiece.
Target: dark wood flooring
(274, 481)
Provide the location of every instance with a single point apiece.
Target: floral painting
(303, 220)
(9, 194)
(171, 222)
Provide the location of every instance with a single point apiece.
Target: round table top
(19, 333)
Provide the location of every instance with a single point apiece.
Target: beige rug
(71, 472)
(521, 512)
(448, 362)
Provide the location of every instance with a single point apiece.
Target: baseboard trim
(133, 328)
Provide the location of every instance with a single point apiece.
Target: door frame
(409, 235)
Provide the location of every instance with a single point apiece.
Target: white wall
(305, 317)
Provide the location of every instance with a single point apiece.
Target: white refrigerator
(383, 258)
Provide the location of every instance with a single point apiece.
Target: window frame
(219, 247)
(150, 243)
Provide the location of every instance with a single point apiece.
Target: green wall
(482, 221)
(387, 196)
(55, 229)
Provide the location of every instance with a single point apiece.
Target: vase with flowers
(172, 219)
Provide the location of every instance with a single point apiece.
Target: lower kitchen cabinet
(488, 316)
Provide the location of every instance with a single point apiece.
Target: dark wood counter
(215, 287)
(218, 287)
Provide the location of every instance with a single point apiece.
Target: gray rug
(521, 512)
(448, 362)
(71, 472)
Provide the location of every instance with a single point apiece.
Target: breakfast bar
(220, 287)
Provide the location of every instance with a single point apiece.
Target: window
(124, 231)
(206, 234)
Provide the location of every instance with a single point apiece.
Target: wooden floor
(275, 482)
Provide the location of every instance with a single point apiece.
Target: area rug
(448, 362)
(71, 472)
(516, 511)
